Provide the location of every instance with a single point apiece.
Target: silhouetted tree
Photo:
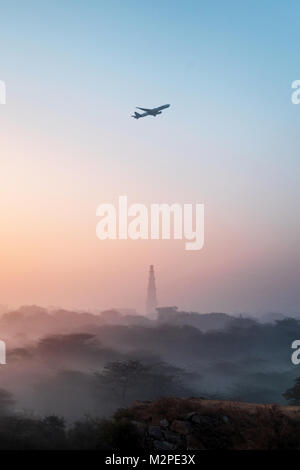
(132, 380)
(292, 395)
(6, 401)
(121, 376)
(53, 431)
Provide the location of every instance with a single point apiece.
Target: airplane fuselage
(150, 112)
(155, 111)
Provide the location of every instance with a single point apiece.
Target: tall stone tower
(151, 302)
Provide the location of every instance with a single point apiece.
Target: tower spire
(151, 302)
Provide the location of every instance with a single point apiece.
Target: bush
(106, 434)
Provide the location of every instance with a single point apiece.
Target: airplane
(150, 112)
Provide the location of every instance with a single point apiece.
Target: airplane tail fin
(136, 115)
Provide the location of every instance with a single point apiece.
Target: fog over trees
(69, 364)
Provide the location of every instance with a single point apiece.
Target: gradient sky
(74, 72)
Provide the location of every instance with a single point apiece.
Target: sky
(74, 72)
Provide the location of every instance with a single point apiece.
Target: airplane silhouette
(150, 112)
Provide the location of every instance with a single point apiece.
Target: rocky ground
(193, 424)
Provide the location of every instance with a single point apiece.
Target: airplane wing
(162, 107)
(144, 109)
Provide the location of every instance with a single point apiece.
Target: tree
(292, 395)
(132, 380)
(6, 401)
(121, 376)
(53, 431)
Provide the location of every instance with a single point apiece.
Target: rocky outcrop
(195, 424)
(193, 431)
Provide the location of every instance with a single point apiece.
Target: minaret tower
(151, 302)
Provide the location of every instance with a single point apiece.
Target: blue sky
(76, 69)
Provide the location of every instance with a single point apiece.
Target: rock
(155, 432)
(181, 427)
(190, 415)
(164, 423)
(192, 443)
(141, 427)
(163, 445)
(203, 420)
(172, 437)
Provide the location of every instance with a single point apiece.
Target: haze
(74, 71)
